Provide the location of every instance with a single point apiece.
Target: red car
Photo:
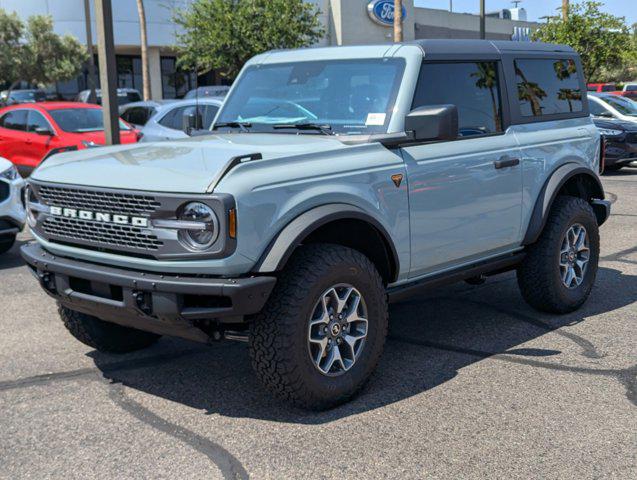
(31, 132)
(601, 87)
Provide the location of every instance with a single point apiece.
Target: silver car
(168, 122)
(138, 113)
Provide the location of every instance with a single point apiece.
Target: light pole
(108, 70)
(398, 21)
(483, 34)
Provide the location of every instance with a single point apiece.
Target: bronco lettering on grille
(99, 216)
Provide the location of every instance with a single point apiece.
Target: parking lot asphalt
(473, 384)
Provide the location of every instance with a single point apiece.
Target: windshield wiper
(325, 128)
(242, 125)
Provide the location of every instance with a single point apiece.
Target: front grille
(107, 202)
(4, 191)
(105, 233)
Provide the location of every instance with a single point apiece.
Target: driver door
(465, 195)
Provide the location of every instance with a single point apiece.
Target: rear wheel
(558, 273)
(322, 332)
(105, 336)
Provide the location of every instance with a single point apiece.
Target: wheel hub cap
(337, 329)
(574, 256)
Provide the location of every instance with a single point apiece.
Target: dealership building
(346, 22)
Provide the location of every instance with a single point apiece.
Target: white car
(607, 105)
(168, 122)
(12, 215)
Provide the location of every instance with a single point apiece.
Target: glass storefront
(175, 83)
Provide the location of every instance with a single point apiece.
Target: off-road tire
(6, 243)
(278, 335)
(539, 274)
(104, 336)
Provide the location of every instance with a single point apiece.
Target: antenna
(516, 3)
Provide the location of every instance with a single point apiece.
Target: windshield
(28, 96)
(122, 98)
(79, 120)
(348, 96)
(623, 105)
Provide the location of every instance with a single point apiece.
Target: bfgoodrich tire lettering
(104, 336)
(539, 275)
(279, 334)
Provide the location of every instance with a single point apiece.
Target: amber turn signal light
(232, 223)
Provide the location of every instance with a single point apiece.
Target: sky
(534, 8)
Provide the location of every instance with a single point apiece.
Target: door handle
(506, 162)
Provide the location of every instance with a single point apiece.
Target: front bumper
(164, 304)
(619, 153)
(12, 214)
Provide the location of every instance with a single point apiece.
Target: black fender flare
(549, 192)
(292, 235)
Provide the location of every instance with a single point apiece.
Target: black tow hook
(47, 280)
(144, 301)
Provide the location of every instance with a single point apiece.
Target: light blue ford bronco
(333, 181)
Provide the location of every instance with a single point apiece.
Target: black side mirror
(605, 114)
(43, 131)
(433, 122)
(191, 122)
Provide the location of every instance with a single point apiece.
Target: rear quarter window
(548, 87)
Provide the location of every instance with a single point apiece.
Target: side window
(596, 109)
(209, 115)
(36, 120)
(137, 115)
(174, 118)
(547, 87)
(15, 120)
(473, 87)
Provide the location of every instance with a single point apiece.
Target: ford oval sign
(382, 12)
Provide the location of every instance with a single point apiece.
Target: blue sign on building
(382, 12)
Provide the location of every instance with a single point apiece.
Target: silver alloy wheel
(574, 256)
(337, 329)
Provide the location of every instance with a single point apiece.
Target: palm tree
(530, 92)
(144, 47)
(487, 77)
(569, 94)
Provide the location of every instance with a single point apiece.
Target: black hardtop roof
(493, 47)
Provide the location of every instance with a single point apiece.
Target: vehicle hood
(615, 123)
(99, 137)
(180, 166)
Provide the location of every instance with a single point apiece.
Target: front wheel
(559, 270)
(322, 332)
(104, 336)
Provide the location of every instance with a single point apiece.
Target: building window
(175, 83)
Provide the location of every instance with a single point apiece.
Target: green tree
(602, 40)
(224, 34)
(35, 53)
(11, 32)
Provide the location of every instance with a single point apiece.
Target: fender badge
(397, 179)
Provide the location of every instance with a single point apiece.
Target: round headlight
(200, 239)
